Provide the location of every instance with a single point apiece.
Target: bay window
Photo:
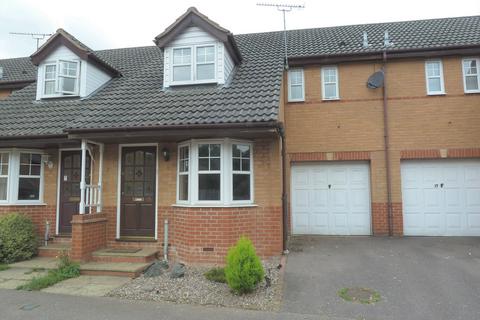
(193, 64)
(220, 172)
(21, 177)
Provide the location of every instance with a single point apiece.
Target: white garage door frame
(343, 208)
(441, 197)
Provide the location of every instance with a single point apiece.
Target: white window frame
(76, 77)
(9, 163)
(465, 76)
(193, 65)
(185, 173)
(290, 85)
(226, 174)
(58, 93)
(337, 95)
(14, 177)
(440, 76)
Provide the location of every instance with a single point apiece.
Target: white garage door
(441, 198)
(331, 198)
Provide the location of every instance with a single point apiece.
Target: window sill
(472, 92)
(296, 101)
(17, 204)
(437, 94)
(330, 100)
(215, 205)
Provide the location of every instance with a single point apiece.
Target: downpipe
(281, 133)
(165, 240)
(47, 232)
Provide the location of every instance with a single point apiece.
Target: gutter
(17, 84)
(387, 146)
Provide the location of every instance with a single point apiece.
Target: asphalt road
(23, 305)
(417, 278)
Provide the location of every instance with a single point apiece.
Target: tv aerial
(35, 36)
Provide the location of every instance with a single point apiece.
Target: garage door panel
(338, 201)
(444, 198)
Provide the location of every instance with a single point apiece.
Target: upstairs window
(434, 77)
(471, 77)
(330, 83)
(61, 78)
(296, 91)
(195, 64)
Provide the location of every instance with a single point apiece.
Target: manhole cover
(123, 250)
(362, 295)
(29, 307)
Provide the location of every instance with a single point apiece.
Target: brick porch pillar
(89, 233)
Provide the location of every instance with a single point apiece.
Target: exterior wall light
(166, 154)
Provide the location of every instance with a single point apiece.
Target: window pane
(245, 164)
(215, 150)
(28, 188)
(236, 164)
(296, 92)
(25, 158)
(50, 72)
(330, 75)
(67, 84)
(24, 170)
(209, 186)
(203, 164)
(35, 170)
(182, 73)
(183, 187)
(330, 91)
(215, 164)
(36, 159)
(241, 187)
(470, 66)
(4, 164)
(205, 54)
(205, 71)
(295, 77)
(3, 188)
(203, 150)
(49, 87)
(434, 85)
(433, 69)
(182, 56)
(471, 82)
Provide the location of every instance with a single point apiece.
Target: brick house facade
(155, 102)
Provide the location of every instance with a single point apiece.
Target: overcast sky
(102, 24)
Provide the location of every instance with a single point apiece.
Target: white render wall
(195, 36)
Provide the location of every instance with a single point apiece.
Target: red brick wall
(88, 235)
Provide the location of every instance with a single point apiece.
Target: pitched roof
(138, 100)
(62, 37)
(17, 69)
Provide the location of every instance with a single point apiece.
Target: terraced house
(205, 136)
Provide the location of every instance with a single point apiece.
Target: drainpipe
(387, 146)
(281, 133)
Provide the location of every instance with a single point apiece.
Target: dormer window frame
(59, 93)
(194, 64)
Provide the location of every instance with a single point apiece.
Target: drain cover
(362, 295)
(29, 307)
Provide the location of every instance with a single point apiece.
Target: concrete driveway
(417, 278)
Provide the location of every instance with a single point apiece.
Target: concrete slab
(14, 277)
(144, 252)
(96, 286)
(38, 262)
(114, 266)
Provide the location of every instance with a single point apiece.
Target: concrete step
(143, 255)
(53, 249)
(118, 269)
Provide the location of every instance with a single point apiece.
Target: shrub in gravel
(17, 238)
(244, 269)
(216, 275)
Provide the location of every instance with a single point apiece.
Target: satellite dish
(375, 81)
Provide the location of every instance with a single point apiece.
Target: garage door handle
(436, 185)
(329, 186)
(441, 185)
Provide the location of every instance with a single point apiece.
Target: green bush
(216, 275)
(17, 238)
(244, 269)
(66, 270)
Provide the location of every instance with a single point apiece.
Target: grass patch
(66, 270)
(361, 295)
(216, 275)
(34, 270)
(4, 267)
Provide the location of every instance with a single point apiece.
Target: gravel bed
(194, 288)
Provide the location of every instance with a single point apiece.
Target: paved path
(21, 305)
(417, 278)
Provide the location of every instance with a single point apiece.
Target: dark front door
(137, 208)
(70, 176)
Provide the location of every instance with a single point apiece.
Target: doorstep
(117, 269)
(135, 255)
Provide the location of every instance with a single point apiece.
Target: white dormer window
(61, 78)
(193, 64)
